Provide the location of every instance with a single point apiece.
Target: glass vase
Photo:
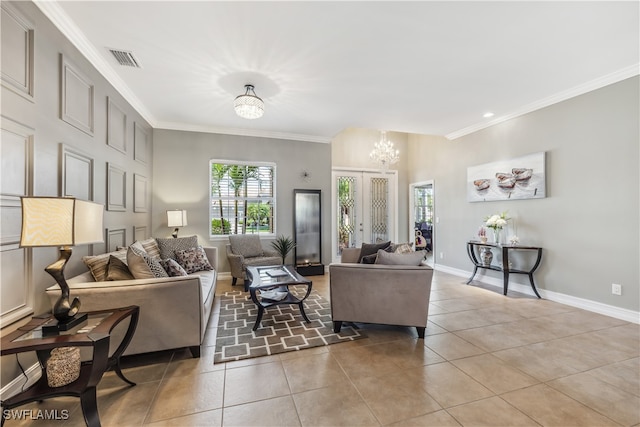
(496, 236)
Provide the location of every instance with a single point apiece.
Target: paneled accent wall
(65, 132)
(16, 179)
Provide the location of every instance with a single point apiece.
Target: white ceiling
(418, 67)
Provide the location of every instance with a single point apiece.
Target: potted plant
(283, 245)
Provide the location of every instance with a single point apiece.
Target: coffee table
(274, 281)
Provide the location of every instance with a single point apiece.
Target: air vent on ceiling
(125, 58)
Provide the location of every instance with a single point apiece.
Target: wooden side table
(505, 269)
(95, 333)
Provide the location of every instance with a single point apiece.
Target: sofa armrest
(212, 255)
(235, 262)
(350, 255)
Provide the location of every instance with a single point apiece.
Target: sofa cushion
(371, 259)
(170, 245)
(172, 267)
(411, 258)
(142, 266)
(98, 264)
(117, 270)
(193, 260)
(247, 245)
(151, 247)
(371, 249)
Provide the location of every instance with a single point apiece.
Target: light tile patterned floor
(487, 360)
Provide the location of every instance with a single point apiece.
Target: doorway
(422, 217)
(364, 206)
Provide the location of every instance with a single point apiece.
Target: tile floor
(487, 360)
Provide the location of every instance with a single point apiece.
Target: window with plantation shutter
(242, 198)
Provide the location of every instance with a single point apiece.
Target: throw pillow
(169, 246)
(118, 270)
(137, 269)
(193, 260)
(151, 247)
(412, 258)
(98, 264)
(402, 248)
(371, 248)
(172, 267)
(371, 259)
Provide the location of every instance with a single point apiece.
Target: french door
(364, 206)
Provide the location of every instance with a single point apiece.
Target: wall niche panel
(77, 97)
(140, 143)
(116, 188)
(115, 237)
(17, 52)
(139, 232)
(116, 127)
(76, 177)
(140, 195)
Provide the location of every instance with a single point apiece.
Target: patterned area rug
(282, 328)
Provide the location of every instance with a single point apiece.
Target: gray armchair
(375, 293)
(246, 250)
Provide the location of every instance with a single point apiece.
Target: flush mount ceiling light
(249, 106)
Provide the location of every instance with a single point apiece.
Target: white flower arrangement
(497, 221)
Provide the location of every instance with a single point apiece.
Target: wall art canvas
(513, 179)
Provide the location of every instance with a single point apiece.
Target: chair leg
(337, 326)
(233, 282)
(420, 331)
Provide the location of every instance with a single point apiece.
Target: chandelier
(249, 106)
(384, 153)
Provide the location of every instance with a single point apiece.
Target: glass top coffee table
(269, 286)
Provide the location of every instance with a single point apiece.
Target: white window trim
(224, 237)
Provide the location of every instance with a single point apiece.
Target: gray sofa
(376, 293)
(174, 311)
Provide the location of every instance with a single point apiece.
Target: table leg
(304, 315)
(533, 286)
(475, 270)
(506, 281)
(90, 407)
(259, 317)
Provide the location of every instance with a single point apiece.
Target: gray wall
(40, 119)
(587, 224)
(181, 179)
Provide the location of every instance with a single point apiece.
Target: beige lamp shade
(176, 218)
(60, 221)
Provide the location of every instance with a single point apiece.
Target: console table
(94, 333)
(505, 269)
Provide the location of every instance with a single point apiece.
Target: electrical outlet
(616, 289)
(441, 255)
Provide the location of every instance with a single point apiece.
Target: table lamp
(177, 218)
(63, 222)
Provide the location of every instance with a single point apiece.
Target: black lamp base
(57, 326)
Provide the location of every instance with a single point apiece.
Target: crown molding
(592, 85)
(243, 132)
(59, 18)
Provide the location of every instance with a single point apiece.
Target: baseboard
(525, 288)
(18, 384)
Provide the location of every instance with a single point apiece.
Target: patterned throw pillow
(172, 267)
(118, 270)
(194, 259)
(98, 264)
(402, 248)
(136, 258)
(168, 247)
(151, 247)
